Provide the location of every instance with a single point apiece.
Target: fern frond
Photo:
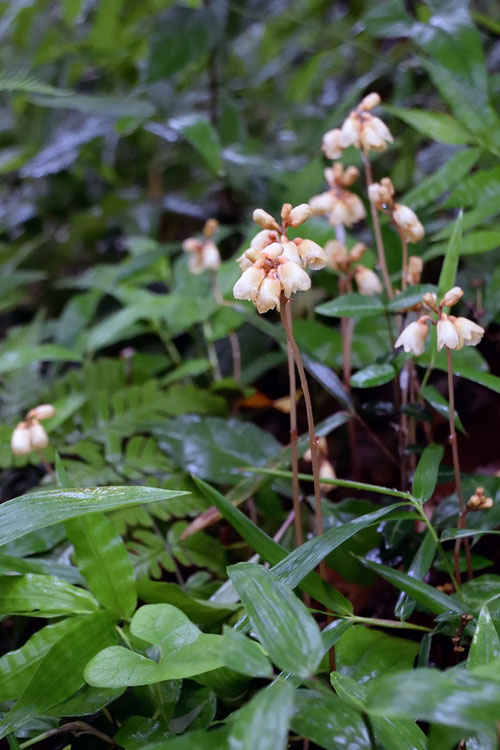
(17, 83)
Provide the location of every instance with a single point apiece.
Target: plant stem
(312, 437)
(346, 333)
(212, 354)
(432, 531)
(376, 229)
(47, 466)
(73, 727)
(456, 470)
(286, 319)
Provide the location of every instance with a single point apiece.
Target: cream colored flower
(367, 281)
(447, 334)
(312, 254)
(408, 223)
(293, 278)
(468, 331)
(264, 220)
(356, 252)
(323, 203)
(341, 205)
(414, 270)
(38, 437)
(20, 442)
(331, 144)
(247, 286)
(452, 296)
(381, 193)
(210, 256)
(412, 338)
(263, 239)
(299, 214)
(337, 255)
(44, 411)
(268, 296)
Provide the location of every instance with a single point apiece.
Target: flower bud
(380, 194)
(374, 135)
(331, 144)
(350, 131)
(38, 437)
(430, 300)
(326, 471)
(263, 239)
(468, 331)
(367, 280)
(293, 278)
(290, 251)
(210, 256)
(192, 245)
(350, 176)
(357, 252)
(264, 220)
(44, 411)
(370, 101)
(322, 203)
(452, 296)
(273, 251)
(412, 338)
(20, 442)
(407, 222)
(210, 228)
(447, 334)
(312, 254)
(299, 214)
(337, 255)
(286, 209)
(248, 284)
(268, 296)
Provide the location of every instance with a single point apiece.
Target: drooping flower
(247, 286)
(447, 334)
(293, 278)
(30, 435)
(452, 296)
(203, 254)
(268, 296)
(20, 442)
(469, 332)
(367, 281)
(407, 222)
(412, 338)
(341, 205)
(361, 129)
(414, 270)
(312, 254)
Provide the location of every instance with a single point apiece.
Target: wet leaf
(263, 722)
(426, 474)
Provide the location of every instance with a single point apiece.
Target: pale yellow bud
(263, 239)
(412, 338)
(408, 223)
(374, 135)
(293, 278)
(191, 245)
(248, 284)
(210, 256)
(312, 254)
(211, 227)
(264, 220)
(299, 214)
(337, 254)
(369, 102)
(286, 210)
(268, 297)
(38, 437)
(350, 176)
(20, 442)
(452, 296)
(447, 334)
(272, 251)
(331, 144)
(430, 300)
(367, 281)
(380, 194)
(326, 471)
(350, 131)
(44, 411)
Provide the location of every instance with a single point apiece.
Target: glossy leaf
(440, 181)
(485, 646)
(280, 620)
(185, 650)
(104, 562)
(373, 375)
(263, 722)
(419, 567)
(440, 404)
(410, 297)
(216, 739)
(243, 655)
(436, 125)
(450, 264)
(329, 722)
(351, 306)
(47, 507)
(44, 596)
(425, 479)
(60, 672)
(138, 732)
(200, 611)
(363, 654)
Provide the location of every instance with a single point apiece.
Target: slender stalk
(13, 743)
(233, 337)
(212, 354)
(312, 437)
(347, 333)
(404, 260)
(432, 531)
(286, 319)
(456, 471)
(73, 727)
(47, 466)
(376, 230)
(369, 729)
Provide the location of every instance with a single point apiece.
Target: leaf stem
(432, 531)
(73, 727)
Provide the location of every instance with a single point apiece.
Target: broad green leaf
(103, 561)
(450, 263)
(16, 359)
(88, 700)
(392, 734)
(463, 533)
(473, 243)
(478, 187)
(185, 651)
(364, 654)
(201, 134)
(432, 187)
(43, 596)
(351, 306)
(45, 566)
(243, 655)
(106, 27)
(263, 722)
(329, 722)
(217, 739)
(440, 404)
(139, 732)
(280, 620)
(478, 376)
(60, 672)
(454, 698)
(485, 646)
(426, 474)
(424, 594)
(373, 375)
(436, 125)
(109, 106)
(17, 667)
(199, 611)
(419, 567)
(410, 297)
(271, 551)
(48, 507)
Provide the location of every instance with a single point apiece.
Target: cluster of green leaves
(123, 127)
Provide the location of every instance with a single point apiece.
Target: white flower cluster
(479, 501)
(452, 332)
(360, 129)
(341, 206)
(382, 195)
(203, 254)
(30, 435)
(273, 263)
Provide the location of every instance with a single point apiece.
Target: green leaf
(419, 567)
(88, 700)
(436, 184)
(477, 188)
(42, 595)
(410, 297)
(477, 376)
(271, 551)
(329, 722)
(202, 135)
(106, 27)
(60, 672)
(244, 655)
(440, 404)
(373, 375)
(263, 722)
(17, 667)
(185, 651)
(351, 306)
(426, 474)
(485, 646)
(107, 106)
(48, 507)
(281, 622)
(103, 561)
(16, 359)
(200, 611)
(450, 263)
(473, 243)
(139, 732)
(424, 594)
(436, 125)
(363, 654)
(216, 739)
(453, 698)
